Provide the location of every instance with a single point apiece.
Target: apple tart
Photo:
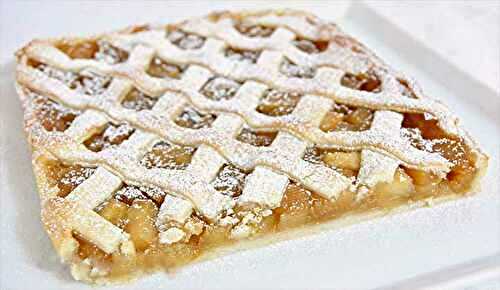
(158, 146)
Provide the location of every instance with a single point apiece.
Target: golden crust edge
(293, 234)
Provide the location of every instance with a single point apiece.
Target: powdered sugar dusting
(54, 115)
(137, 100)
(219, 88)
(254, 30)
(185, 40)
(302, 80)
(230, 181)
(190, 118)
(242, 55)
(166, 155)
(112, 135)
(256, 138)
(278, 103)
(86, 81)
(298, 71)
(75, 176)
(160, 69)
(110, 54)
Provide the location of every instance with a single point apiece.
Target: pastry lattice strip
(210, 55)
(326, 83)
(249, 88)
(395, 146)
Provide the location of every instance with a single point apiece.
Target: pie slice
(155, 147)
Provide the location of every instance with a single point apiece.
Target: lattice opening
(278, 103)
(86, 81)
(249, 56)
(161, 69)
(424, 133)
(114, 210)
(185, 40)
(128, 193)
(220, 88)
(230, 180)
(140, 28)
(67, 177)
(368, 82)
(132, 208)
(52, 115)
(347, 163)
(193, 119)
(256, 138)
(407, 91)
(98, 49)
(109, 136)
(348, 42)
(169, 156)
(346, 118)
(292, 69)
(254, 30)
(138, 101)
(309, 46)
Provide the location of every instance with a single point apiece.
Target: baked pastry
(154, 147)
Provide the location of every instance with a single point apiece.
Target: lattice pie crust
(156, 146)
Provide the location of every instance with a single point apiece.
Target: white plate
(387, 251)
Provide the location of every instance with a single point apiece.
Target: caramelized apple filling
(111, 135)
(53, 116)
(230, 180)
(347, 163)
(133, 210)
(137, 100)
(160, 69)
(425, 134)
(346, 118)
(169, 156)
(348, 42)
(301, 206)
(100, 50)
(220, 88)
(249, 56)
(278, 103)
(406, 90)
(86, 81)
(128, 193)
(185, 40)
(309, 46)
(66, 177)
(364, 82)
(291, 69)
(256, 138)
(79, 49)
(88, 250)
(191, 118)
(254, 30)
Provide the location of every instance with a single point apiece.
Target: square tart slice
(155, 147)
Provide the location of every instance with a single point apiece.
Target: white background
(462, 62)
